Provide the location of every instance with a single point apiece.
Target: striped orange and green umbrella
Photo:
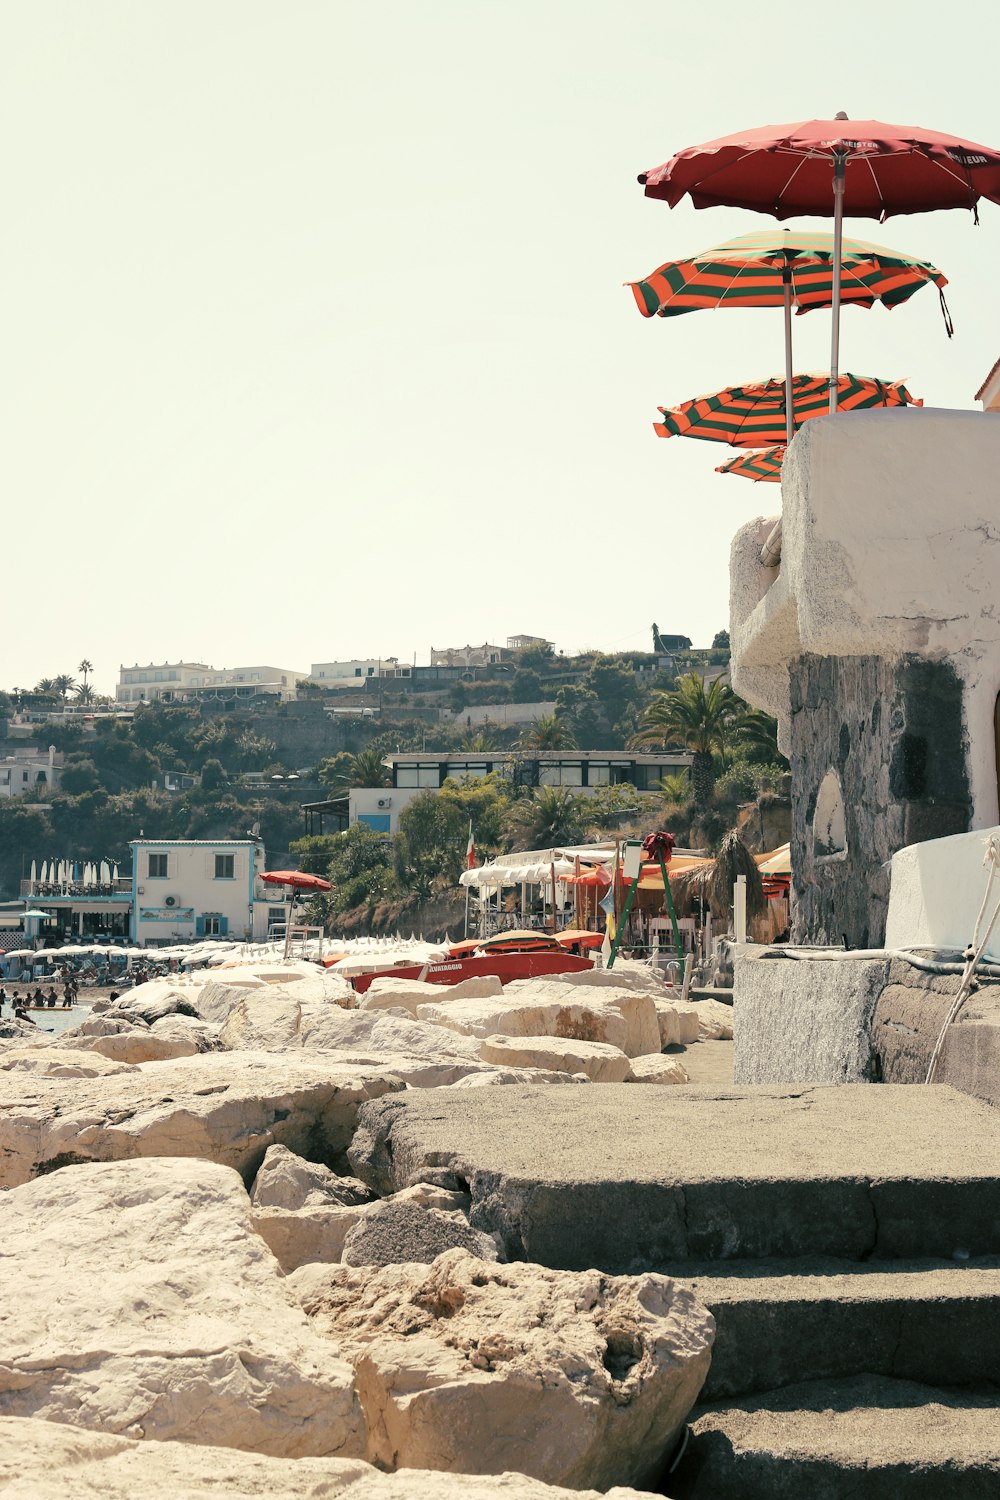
(763, 467)
(754, 270)
(753, 416)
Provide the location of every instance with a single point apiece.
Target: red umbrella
(294, 880)
(868, 169)
(298, 880)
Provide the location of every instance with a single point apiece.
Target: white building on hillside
(184, 681)
(185, 889)
(30, 771)
(354, 673)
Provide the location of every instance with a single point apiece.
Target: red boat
(511, 955)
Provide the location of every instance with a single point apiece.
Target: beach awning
(778, 862)
(487, 877)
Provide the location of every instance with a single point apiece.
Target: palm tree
(63, 683)
(551, 815)
(363, 769)
(758, 733)
(43, 685)
(548, 733)
(699, 718)
(85, 667)
(84, 693)
(478, 741)
(676, 788)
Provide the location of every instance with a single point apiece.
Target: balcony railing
(40, 890)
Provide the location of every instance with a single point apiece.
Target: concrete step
(861, 1439)
(623, 1178)
(781, 1322)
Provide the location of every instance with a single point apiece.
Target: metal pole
(668, 897)
(786, 277)
(620, 928)
(839, 168)
(467, 891)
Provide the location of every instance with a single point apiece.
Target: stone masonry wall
(891, 733)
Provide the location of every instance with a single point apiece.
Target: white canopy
(534, 872)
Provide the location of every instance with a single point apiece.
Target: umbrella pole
(839, 168)
(288, 922)
(786, 277)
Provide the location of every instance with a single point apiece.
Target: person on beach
(20, 1014)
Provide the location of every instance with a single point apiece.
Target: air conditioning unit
(170, 901)
(385, 802)
(141, 889)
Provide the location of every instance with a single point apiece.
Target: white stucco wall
(936, 891)
(167, 909)
(890, 545)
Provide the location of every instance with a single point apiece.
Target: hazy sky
(314, 342)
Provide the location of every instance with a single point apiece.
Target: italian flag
(470, 850)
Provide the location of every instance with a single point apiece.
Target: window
(419, 776)
(157, 867)
(357, 671)
(213, 926)
(41, 776)
(24, 775)
(225, 866)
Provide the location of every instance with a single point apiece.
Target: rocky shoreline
(211, 1298)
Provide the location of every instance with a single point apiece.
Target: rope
(973, 953)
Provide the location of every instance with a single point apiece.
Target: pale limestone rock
(285, 1180)
(397, 1231)
(60, 1062)
(141, 1044)
(204, 1036)
(490, 1077)
(678, 1024)
(576, 1377)
(601, 1063)
(387, 993)
(50, 1461)
(627, 974)
(223, 1107)
(302, 1210)
(621, 1019)
(715, 1021)
(586, 1012)
(659, 1067)
(276, 1021)
(430, 1195)
(146, 1306)
(299, 1237)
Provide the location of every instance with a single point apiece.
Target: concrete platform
(865, 1439)
(623, 1178)
(781, 1322)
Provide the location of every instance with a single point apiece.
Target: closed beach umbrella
(33, 877)
(763, 467)
(753, 416)
(778, 268)
(861, 168)
(105, 872)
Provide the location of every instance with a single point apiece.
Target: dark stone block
(903, 779)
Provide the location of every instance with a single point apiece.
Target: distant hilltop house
(26, 770)
(485, 655)
(667, 645)
(356, 672)
(187, 681)
(525, 642)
